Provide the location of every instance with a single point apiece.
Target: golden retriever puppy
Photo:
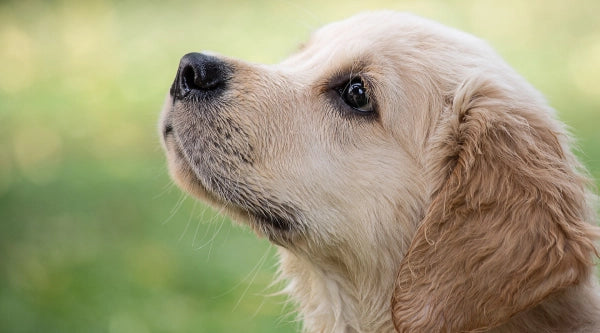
(411, 180)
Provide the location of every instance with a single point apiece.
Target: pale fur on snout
(456, 206)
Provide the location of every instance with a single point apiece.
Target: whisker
(257, 266)
(200, 222)
(170, 185)
(176, 208)
(261, 262)
(211, 238)
(189, 221)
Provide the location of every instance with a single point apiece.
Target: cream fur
(427, 204)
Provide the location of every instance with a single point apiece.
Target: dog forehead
(371, 35)
(336, 44)
(369, 25)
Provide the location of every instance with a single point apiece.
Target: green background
(94, 237)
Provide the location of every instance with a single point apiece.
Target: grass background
(93, 235)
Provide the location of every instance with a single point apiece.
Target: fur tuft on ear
(508, 222)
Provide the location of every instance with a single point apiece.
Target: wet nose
(199, 73)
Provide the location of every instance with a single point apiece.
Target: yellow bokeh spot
(584, 67)
(17, 68)
(497, 20)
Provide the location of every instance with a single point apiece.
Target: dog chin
(277, 229)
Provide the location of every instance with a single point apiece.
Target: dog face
(317, 147)
(385, 138)
(278, 145)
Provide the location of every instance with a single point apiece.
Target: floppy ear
(508, 220)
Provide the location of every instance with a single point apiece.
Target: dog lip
(275, 221)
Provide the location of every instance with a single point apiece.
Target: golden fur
(456, 207)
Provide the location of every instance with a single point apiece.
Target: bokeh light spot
(17, 69)
(584, 68)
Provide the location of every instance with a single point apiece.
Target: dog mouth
(167, 130)
(268, 216)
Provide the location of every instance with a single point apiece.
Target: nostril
(188, 79)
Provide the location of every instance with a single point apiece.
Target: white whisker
(176, 208)
(257, 269)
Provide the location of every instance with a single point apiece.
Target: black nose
(199, 73)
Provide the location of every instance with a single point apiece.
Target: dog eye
(355, 95)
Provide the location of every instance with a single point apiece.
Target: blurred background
(93, 235)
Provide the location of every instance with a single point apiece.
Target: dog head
(393, 140)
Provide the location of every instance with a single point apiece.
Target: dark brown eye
(355, 95)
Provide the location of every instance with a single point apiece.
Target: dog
(411, 180)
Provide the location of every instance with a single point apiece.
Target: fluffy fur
(457, 206)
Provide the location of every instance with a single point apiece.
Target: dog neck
(335, 297)
(345, 284)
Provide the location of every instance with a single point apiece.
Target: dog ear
(507, 223)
